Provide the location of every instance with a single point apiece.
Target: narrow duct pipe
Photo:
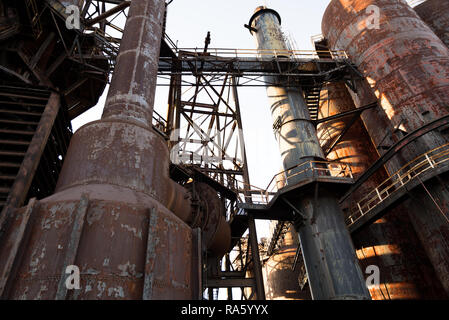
(327, 249)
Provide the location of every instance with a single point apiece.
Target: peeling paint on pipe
(328, 252)
(129, 245)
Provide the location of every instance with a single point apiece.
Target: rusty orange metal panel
(111, 254)
(386, 243)
(436, 14)
(407, 67)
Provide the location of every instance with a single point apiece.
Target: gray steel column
(328, 252)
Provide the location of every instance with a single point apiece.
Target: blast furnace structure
(147, 206)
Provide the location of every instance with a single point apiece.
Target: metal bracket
(299, 217)
(250, 28)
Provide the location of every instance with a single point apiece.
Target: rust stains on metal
(436, 14)
(281, 282)
(407, 67)
(124, 239)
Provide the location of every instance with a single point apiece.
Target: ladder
(21, 109)
(312, 98)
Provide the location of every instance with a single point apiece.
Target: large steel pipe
(296, 134)
(436, 14)
(407, 67)
(390, 242)
(110, 215)
(328, 252)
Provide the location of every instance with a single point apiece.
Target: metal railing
(261, 54)
(418, 166)
(308, 169)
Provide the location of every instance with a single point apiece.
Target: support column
(328, 252)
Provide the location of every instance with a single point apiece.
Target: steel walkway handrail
(337, 170)
(261, 53)
(418, 166)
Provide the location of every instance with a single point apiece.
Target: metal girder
(342, 134)
(231, 283)
(348, 113)
(394, 149)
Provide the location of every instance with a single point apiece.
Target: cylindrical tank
(436, 14)
(281, 282)
(328, 252)
(355, 146)
(296, 134)
(110, 215)
(406, 272)
(407, 66)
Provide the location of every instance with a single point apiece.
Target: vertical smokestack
(115, 214)
(296, 136)
(131, 95)
(326, 245)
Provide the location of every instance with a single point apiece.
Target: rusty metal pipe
(328, 252)
(407, 67)
(109, 214)
(436, 14)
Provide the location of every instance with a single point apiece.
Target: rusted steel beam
(342, 134)
(257, 266)
(123, 5)
(197, 264)
(72, 247)
(32, 157)
(22, 234)
(346, 113)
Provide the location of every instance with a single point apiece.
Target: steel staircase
(312, 98)
(21, 109)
